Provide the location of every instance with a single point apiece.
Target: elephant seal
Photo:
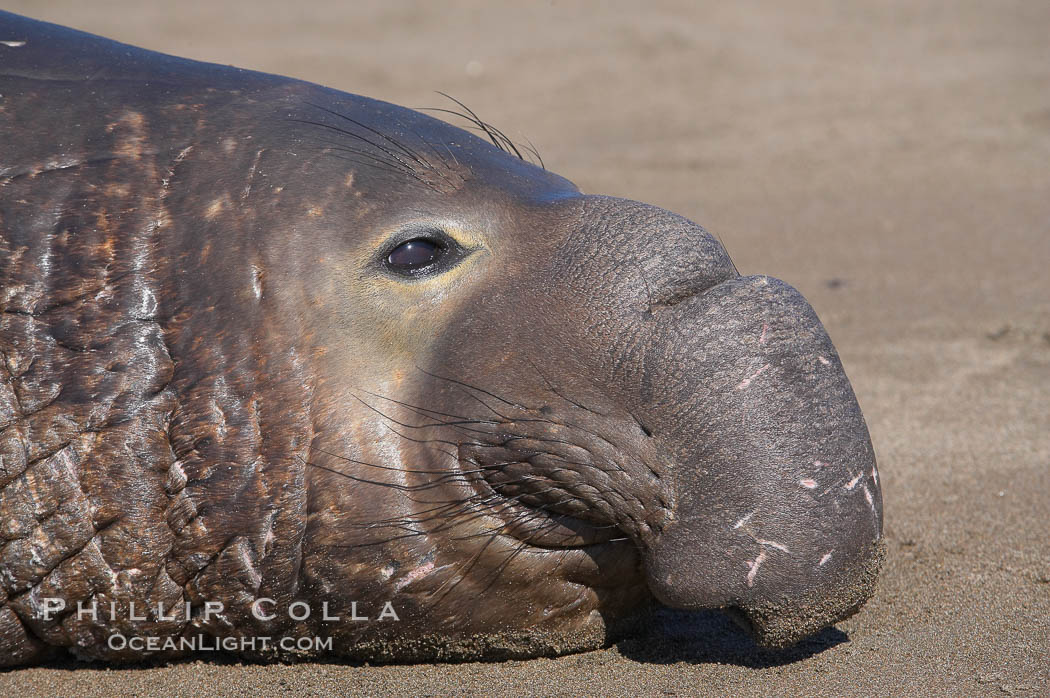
(290, 372)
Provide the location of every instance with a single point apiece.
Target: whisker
(498, 138)
(416, 408)
(557, 392)
(397, 144)
(359, 137)
(532, 149)
(416, 426)
(469, 387)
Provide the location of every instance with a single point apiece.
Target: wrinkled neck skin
(592, 409)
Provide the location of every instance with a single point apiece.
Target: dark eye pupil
(414, 254)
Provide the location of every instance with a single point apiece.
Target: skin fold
(216, 388)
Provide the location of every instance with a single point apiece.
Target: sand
(892, 161)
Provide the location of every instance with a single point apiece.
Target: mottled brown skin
(214, 389)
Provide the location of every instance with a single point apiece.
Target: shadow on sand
(706, 637)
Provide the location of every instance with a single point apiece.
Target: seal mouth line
(487, 503)
(512, 512)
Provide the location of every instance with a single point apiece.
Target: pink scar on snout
(743, 520)
(823, 360)
(762, 337)
(753, 566)
(747, 381)
(773, 544)
(808, 484)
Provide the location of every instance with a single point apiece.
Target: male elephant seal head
(323, 351)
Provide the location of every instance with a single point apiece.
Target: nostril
(684, 289)
(641, 425)
(676, 296)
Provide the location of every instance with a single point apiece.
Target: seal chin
(781, 623)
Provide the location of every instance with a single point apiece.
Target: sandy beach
(891, 160)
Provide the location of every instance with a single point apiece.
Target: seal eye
(422, 253)
(414, 255)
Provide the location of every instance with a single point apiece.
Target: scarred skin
(214, 388)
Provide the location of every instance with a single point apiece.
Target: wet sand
(890, 161)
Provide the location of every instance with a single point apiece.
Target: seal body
(286, 371)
